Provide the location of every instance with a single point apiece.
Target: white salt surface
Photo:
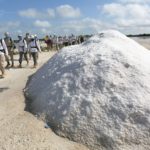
(97, 93)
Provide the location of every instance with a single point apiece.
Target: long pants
(35, 57)
(21, 54)
(10, 52)
(2, 61)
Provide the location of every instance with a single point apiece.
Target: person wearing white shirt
(59, 43)
(55, 41)
(23, 49)
(27, 38)
(34, 48)
(3, 53)
(10, 47)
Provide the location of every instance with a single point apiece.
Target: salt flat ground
(145, 41)
(20, 130)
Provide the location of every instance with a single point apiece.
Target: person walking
(23, 50)
(38, 43)
(34, 48)
(65, 40)
(3, 53)
(72, 39)
(10, 46)
(27, 39)
(48, 42)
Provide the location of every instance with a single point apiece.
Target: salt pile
(97, 93)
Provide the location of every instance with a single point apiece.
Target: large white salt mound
(97, 93)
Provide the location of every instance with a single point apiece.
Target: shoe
(3, 75)
(7, 66)
(12, 66)
(34, 66)
(20, 66)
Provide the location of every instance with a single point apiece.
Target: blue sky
(74, 16)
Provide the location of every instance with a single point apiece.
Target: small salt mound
(97, 93)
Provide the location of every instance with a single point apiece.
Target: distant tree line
(139, 35)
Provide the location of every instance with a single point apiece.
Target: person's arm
(5, 47)
(38, 45)
(25, 45)
(12, 42)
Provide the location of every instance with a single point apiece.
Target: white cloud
(9, 26)
(19, 31)
(43, 24)
(129, 14)
(51, 12)
(85, 25)
(34, 13)
(133, 1)
(114, 9)
(30, 13)
(44, 31)
(67, 11)
(128, 10)
(13, 24)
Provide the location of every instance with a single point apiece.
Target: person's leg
(57, 47)
(2, 61)
(37, 56)
(12, 58)
(48, 47)
(26, 57)
(29, 55)
(7, 60)
(20, 59)
(34, 56)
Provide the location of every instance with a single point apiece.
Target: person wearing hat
(28, 39)
(34, 48)
(38, 43)
(23, 49)
(3, 53)
(10, 46)
(48, 42)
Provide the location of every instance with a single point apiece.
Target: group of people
(57, 42)
(27, 46)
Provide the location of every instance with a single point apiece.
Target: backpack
(9, 42)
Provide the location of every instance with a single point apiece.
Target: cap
(19, 35)
(6, 33)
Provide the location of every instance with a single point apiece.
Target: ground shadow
(2, 89)
(27, 101)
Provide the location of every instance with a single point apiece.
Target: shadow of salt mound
(27, 100)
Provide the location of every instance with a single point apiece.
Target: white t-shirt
(3, 47)
(34, 46)
(22, 46)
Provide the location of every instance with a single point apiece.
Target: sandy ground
(20, 130)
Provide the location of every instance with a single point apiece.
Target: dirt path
(20, 130)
